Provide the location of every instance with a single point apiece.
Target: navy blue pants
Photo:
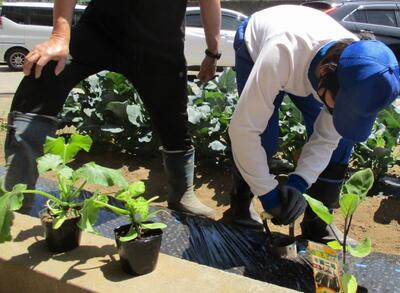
(309, 107)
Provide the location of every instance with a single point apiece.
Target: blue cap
(368, 75)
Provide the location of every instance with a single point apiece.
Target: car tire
(15, 58)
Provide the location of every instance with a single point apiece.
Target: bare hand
(207, 69)
(55, 48)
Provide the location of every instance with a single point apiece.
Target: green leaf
(9, 202)
(141, 207)
(96, 174)
(335, 245)
(359, 183)
(67, 151)
(57, 222)
(152, 214)
(137, 188)
(135, 115)
(349, 283)
(348, 204)
(66, 173)
(152, 226)
(133, 190)
(319, 208)
(49, 162)
(131, 235)
(391, 117)
(6, 220)
(361, 250)
(2, 185)
(89, 212)
(118, 109)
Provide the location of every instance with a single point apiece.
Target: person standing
(141, 39)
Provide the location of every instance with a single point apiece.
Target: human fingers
(29, 61)
(60, 66)
(297, 210)
(40, 64)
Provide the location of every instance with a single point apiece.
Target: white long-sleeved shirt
(282, 41)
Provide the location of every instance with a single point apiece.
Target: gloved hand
(286, 203)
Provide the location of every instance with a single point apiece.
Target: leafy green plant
(380, 151)
(108, 108)
(210, 108)
(353, 193)
(135, 209)
(293, 133)
(3, 124)
(70, 183)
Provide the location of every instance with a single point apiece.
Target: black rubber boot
(327, 190)
(242, 209)
(179, 168)
(25, 138)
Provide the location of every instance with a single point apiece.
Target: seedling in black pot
(139, 241)
(63, 217)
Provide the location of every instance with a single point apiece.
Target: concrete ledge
(26, 266)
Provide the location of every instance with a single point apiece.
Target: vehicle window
(382, 17)
(41, 16)
(15, 14)
(385, 17)
(193, 20)
(357, 16)
(229, 23)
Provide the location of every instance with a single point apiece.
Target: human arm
(254, 110)
(317, 152)
(56, 48)
(211, 18)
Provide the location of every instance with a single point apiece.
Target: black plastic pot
(63, 239)
(139, 256)
(361, 289)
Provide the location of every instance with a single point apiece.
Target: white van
(24, 25)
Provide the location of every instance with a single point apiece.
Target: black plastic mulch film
(244, 251)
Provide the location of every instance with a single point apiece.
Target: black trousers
(161, 84)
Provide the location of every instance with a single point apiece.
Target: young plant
(70, 183)
(135, 210)
(353, 193)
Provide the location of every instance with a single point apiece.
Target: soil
(378, 217)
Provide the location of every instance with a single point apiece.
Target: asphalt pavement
(9, 82)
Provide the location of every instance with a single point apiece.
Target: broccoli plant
(135, 209)
(70, 183)
(353, 193)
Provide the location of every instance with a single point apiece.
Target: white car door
(195, 42)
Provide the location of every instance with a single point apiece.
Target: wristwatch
(212, 55)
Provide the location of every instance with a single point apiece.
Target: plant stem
(61, 184)
(112, 208)
(79, 189)
(334, 234)
(346, 231)
(48, 195)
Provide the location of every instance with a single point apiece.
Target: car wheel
(15, 58)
